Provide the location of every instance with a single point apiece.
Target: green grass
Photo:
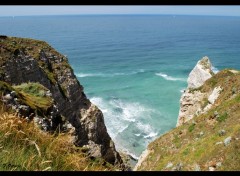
(33, 94)
(189, 148)
(222, 117)
(191, 127)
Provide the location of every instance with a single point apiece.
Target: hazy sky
(100, 9)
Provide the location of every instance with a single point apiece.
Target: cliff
(207, 134)
(190, 100)
(38, 83)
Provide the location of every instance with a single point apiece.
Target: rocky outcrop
(191, 99)
(214, 95)
(46, 118)
(210, 140)
(27, 60)
(200, 73)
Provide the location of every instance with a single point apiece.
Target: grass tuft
(24, 147)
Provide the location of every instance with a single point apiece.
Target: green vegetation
(204, 103)
(191, 90)
(185, 145)
(222, 117)
(5, 87)
(34, 95)
(63, 91)
(35, 89)
(191, 127)
(23, 147)
(11, 47)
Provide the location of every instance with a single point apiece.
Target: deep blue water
(134, 67)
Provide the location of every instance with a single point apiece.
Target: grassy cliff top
(32, 47)
(31, 94)
(56, 64)
(199, 143)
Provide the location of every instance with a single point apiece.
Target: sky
(219, 10)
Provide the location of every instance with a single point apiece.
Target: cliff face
(207, 135)
(27, 60)
(190, 102)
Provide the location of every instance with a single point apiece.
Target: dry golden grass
(23, 147)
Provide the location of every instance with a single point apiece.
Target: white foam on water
(151, 135)
(112, 119)
(169, 78)
(214, 69)
(146, 129)
(129, 111)
(137, 134)
(82, 75)
(119, 115)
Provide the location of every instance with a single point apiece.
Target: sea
(134, 67)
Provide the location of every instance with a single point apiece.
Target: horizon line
(112, 14)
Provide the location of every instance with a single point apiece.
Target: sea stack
(200, 73)
(189, 102)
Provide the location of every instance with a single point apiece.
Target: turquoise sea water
(134, 67)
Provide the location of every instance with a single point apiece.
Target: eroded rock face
(200, 73)
(51, 69)
(190, 102)
(189, 105)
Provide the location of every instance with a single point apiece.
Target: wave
(129, 111)
(214, 69)
(147, 130)
(82, 75)
(151, 135)
(137, 134)
(123, 118)
(169, 78)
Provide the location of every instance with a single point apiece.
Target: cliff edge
(30, 66)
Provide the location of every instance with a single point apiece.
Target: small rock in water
(227, 140)
(169, 165)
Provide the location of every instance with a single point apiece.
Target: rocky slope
(207, 136)
(30, 67)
